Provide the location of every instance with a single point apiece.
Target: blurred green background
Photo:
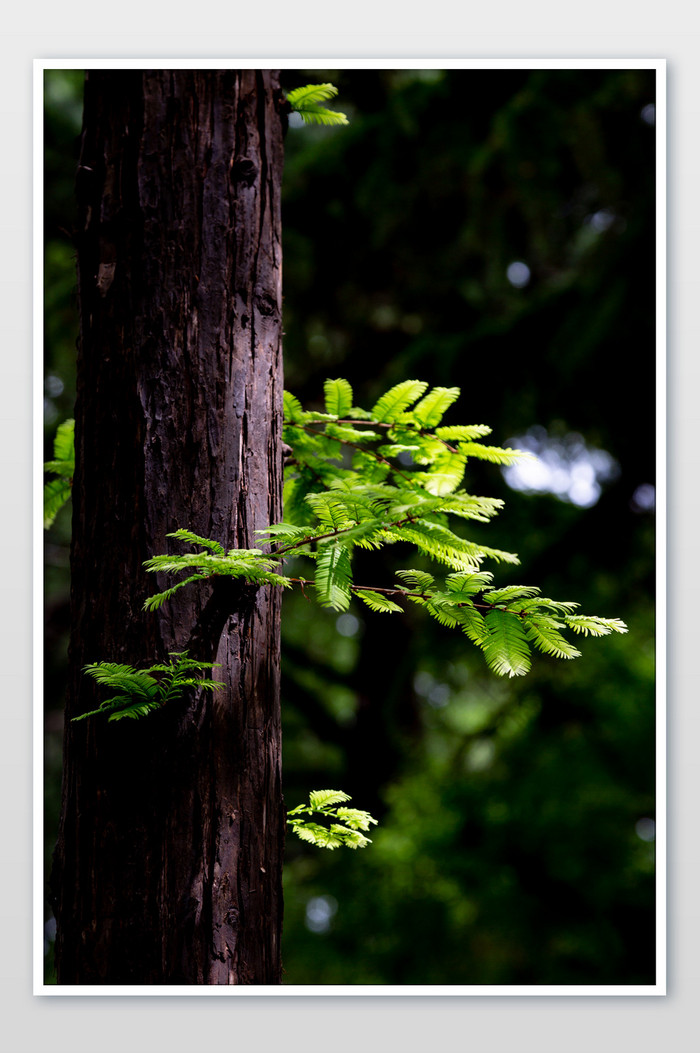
(495, 230)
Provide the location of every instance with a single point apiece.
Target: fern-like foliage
(393, 475)
(251, 565)
(348, 830)
(307, 101)
(139, 692)
(506, 646)
(57, 490)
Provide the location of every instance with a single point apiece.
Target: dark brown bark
(168, 864)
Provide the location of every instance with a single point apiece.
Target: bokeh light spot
(320, 911)
(566, 467)
(644, 498)
(53, 386)
(347, 625)
(601, 220)
(645, 829)
(518, 274)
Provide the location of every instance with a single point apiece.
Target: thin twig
(338, 532)
(427, 596)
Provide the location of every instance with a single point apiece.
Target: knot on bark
(244, 171)
(228, 597)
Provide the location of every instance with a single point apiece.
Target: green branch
(306, 102)
(348, 830)
(332, 509)
(140, 692)
(57, 490)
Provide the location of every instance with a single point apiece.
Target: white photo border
(659, 988)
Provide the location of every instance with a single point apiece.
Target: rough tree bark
(168, 863)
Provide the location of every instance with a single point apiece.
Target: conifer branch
(141, 692)
(331, 804)
(355, 446)
(332, 510)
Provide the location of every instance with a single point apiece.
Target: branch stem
(337, 533)
(418, 595)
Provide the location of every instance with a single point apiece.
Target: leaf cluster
(348, 830)
(57, 490)
(394, 475)
(307, 100)
(142, 691)
(251, 565)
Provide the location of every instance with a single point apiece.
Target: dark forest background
(491, 229)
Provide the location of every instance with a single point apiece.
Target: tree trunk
(168, 863)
